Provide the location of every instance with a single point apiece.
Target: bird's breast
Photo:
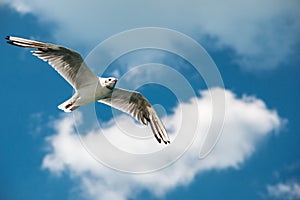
(91, 93)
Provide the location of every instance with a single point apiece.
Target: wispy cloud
(247, 122)
(260, 37)
(288, 191)
(19, 6)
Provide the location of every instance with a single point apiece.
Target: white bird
(89, 87)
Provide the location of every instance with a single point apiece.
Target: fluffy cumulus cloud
(289, 191)
(247, 122)
(262, 34)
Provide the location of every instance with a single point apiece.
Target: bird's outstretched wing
(68, 63)
(138, 107)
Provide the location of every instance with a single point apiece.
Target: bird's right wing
(68, 63)
(138, 107)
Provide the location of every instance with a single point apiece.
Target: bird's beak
(115, 80)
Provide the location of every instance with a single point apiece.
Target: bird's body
(88, 94)
(90, 88)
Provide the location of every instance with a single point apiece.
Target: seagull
(89, 87)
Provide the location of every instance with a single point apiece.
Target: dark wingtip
(167, 142)
(9, 41)
(157, 138)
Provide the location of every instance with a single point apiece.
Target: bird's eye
(109, 79)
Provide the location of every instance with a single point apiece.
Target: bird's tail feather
(69, 105)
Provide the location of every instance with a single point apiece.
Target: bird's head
(110, 82)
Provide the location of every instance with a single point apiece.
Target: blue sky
(256, 50)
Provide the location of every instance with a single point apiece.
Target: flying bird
(89, 87)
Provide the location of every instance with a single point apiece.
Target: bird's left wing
(138, 107)
(68, 63)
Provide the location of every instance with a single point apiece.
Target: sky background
(254, 44)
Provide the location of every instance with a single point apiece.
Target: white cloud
(288, 191)
(19, 5)
(247, 122)
(261, 37)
